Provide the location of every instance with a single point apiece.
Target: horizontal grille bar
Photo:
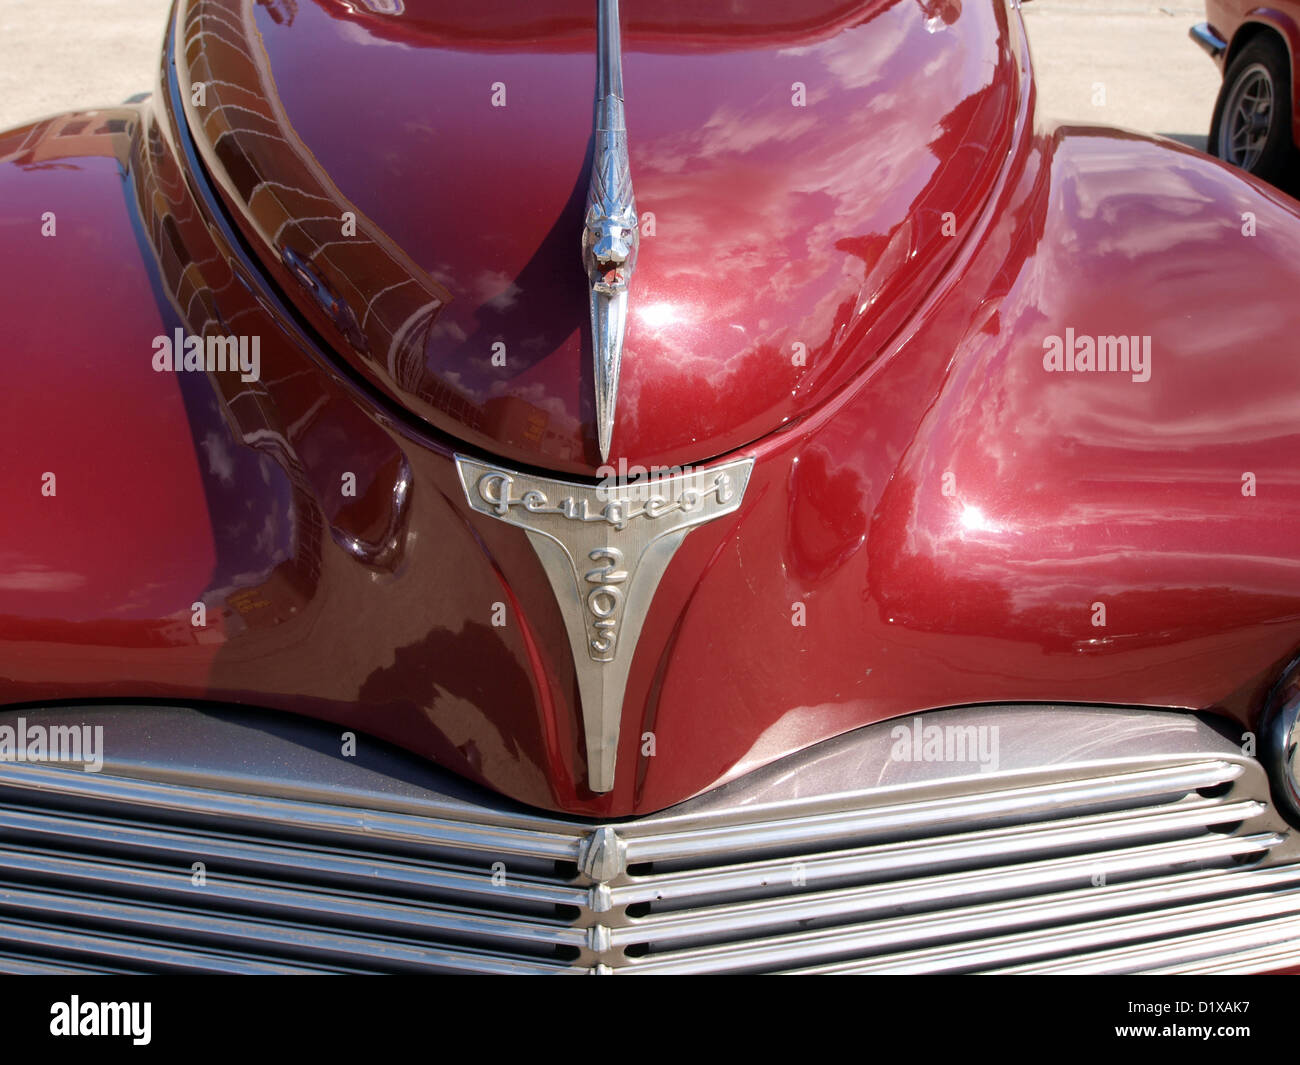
(277, 860)
(952, 851)
(1054, 911)
(298, 818)
(850, 903)
(1156, 849)
(785, 827)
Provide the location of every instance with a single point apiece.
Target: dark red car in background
(1254, 125)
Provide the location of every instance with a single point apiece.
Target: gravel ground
(1119, 63)
(1114, 62)
(56, 55)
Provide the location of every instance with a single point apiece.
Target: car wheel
(1251, 127)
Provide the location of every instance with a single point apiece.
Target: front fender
(107, 541)
(971, 526)
(280, 541)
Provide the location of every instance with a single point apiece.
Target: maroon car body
(854, 292)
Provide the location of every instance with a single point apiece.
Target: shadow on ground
(1192, 140)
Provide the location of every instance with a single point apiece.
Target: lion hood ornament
(605, 547)
(610, 234)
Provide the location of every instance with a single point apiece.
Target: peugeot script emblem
(604, 550)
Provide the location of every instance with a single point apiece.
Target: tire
(1258, 80)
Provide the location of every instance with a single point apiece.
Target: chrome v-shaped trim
(604, 549)
(611, 232)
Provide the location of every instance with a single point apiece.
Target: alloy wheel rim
(1248, 117)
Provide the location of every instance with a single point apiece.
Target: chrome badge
(604, 550)
(611, 232)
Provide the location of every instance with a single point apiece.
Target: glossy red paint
(104, 530)
(785, 239)
(921, 589)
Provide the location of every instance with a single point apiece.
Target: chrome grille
(1111, 841)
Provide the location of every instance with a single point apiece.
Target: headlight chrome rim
(1281, 743)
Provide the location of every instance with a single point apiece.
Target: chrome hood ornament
(611, 232)
(604, 550)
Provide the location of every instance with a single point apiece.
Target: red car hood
(416, 183)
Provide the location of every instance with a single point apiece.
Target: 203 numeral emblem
(605, 600)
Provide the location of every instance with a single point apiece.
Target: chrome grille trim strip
(1077, 854)
(1016, 841)
(550, 839)
(334, 951)
(930, 889)
(282, 860)
(98, 878)
(786, 826)
(1209, 887)
(1066, 905)
(1234, 961)
(1170, 923)
(140, 955)
(15, 965)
